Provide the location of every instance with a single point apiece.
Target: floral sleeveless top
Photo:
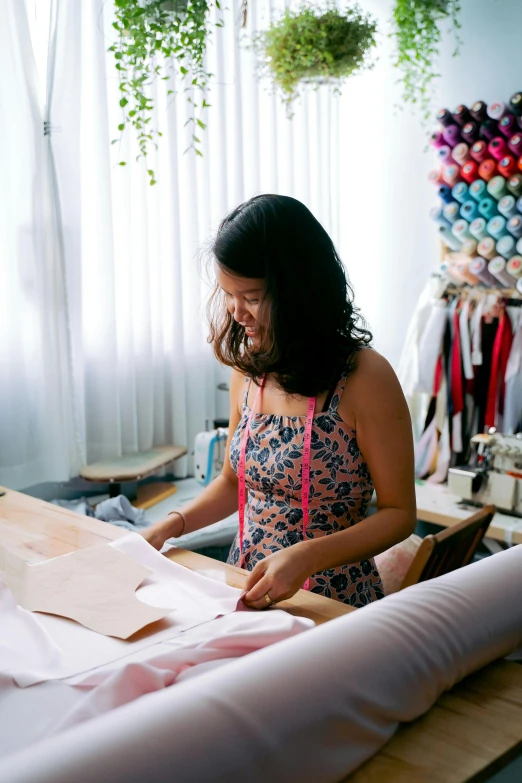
(340, 491)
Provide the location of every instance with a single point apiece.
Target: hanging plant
(417, 30)
(154, 37)
(318, 45)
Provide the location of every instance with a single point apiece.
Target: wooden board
(153, 493)
(132, 467)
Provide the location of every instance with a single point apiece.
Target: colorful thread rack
(479, 185)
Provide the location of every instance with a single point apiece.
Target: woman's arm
(219, 499)
(373, 403)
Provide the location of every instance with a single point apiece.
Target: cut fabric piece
(94, 586)
(66, 649)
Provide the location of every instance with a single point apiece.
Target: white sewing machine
(209, 454)
(497, 476)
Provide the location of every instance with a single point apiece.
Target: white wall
(387, 239)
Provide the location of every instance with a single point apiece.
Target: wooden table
(436, 504)
(472, 731)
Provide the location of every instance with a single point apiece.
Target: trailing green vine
(316, 43)
(417, 30)
(155, 35)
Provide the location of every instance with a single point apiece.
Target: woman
(302, 373)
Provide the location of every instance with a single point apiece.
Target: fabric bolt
(269, 716)
(59, 705)
(340, 491)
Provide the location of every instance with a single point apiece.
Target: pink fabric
(393, 564)
(310, 709)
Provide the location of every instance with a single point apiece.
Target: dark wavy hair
(310, 324)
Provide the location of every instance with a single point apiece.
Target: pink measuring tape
(305, 470)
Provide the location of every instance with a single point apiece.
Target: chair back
(450, 549)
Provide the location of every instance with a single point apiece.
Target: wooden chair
(453, 548)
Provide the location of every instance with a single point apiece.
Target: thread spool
(515, 144)
(519, 163)
(487, 207)
(461, 153)
(487, 169)
(444, 155)
(514, 185)
(507, 166)
(437, 139)
(507, 206)
(519, 286)
(506, 246)
(497, 187)
(497, 267)
(479, 268)
(445, 117)
(519, 247)
(497, 227)
(437, 215)
(507, 125)
(515, 104)
(497, 148)
(460, 192)
(479, 151)
(463, 268)
(486, 248)
(478, 189)
(469, 210)
(450, 174)
(488, 130)
(469, 171)
(496, 110)
(451, 134)
(514, 226)
(519, 205)
(514, 267)
(460, 229)
(451, 212)
(449, 240)
(470, 132)
(435, 177)
(444, 193)
(461, 115)
(448, 271)
(469, 247)
(477, 228)
(479, 111)
(519, 122)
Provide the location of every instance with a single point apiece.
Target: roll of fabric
(198, 731)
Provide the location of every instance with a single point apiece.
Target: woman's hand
(157, 534)
(279, 576)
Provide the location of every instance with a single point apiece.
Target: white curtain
(38, 437)
(126, 363)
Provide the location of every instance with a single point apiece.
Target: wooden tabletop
(436, 504)
(471, 732)
(35, 531)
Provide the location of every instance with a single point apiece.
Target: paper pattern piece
(95, 587)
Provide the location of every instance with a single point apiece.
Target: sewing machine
(209, 454)
(497, 475)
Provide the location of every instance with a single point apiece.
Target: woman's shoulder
(371, 383)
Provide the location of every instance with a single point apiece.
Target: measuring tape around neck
(305, 469)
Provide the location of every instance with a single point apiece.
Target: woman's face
(243, 297)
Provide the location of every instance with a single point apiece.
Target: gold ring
(268, 600)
